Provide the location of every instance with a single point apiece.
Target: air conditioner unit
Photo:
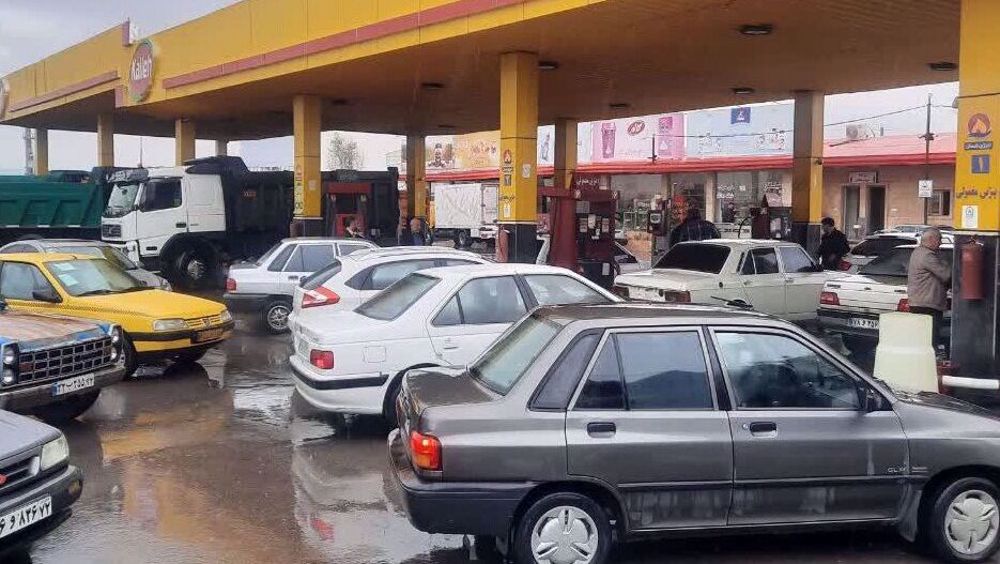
(854, 132)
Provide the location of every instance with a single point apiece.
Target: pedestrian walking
(693, 228)
(928, 278)
(833, 245)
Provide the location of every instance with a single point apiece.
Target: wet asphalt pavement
(222, 462)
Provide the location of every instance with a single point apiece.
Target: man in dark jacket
(833, 245)
(415, 236)
(693, 228)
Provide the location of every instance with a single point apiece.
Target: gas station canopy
(432, 66)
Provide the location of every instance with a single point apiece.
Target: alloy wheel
(564, 535)
(971, 523)
(277, 317)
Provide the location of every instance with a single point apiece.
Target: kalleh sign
(140, 71)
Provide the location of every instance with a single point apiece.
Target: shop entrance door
(852, 212)
(876, 208)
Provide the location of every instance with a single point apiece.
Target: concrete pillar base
(522, 243)
(808, 235)
(307, 227)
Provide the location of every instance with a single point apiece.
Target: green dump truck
(61, 204)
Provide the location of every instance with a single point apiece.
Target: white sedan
(352, 361)
(774, 277)
(351, 280)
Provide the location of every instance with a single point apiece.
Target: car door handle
(180, 225)
(761, 427)
(293, 277)
(789, 280)
(449, 344)
(602, 429)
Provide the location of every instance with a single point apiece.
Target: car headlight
(9, 356)
(8, 365)
(54, 453)
(225, 316)
(169, 325)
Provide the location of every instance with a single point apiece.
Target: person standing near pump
(833, 245)
(694, 228)
(352, 230)
(415, 235)
(928, 278)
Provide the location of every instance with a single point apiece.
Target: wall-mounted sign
(862, 177)
(140, 71)
(739, 115)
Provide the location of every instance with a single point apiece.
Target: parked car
(39, 483)
(875, 245)
(265, 287)
(774, 277)
(850, 306)
(156, 324)
(55, 367)
(351, 280)
(89, 248)
(587, 424)
(352, 361)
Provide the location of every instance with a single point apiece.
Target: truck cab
(188, 221)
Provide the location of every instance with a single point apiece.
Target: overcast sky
(33, 29)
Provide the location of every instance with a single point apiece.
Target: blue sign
(980, 164)
(739, 115)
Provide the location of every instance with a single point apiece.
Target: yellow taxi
(157, 324)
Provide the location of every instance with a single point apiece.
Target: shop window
(939, 203)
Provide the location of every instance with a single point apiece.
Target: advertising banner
(635, 139)
(477, 150)
(744, 130)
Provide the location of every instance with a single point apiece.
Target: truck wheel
(964, 520)
(563, 527)
(195, 268)
(67, 409)
(463, 239)
(274, 317)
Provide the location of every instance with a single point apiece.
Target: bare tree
(344, 153)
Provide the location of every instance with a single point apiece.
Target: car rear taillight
(319, 297)
(425, 451)
(829, 298)
(903, 305)
(672, 297)
(230, 285)
(321, 359)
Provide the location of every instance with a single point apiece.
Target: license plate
(863, 323)
(210, 335)
(73, 385)
(25, 516)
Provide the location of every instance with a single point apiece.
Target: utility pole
(29, 152)
(928, 137)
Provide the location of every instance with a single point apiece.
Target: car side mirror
(870, 400)
(47, 295)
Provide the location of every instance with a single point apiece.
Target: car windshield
(112, 254)
(92, 277)
(504, 363)
(122, 200)
(699, 257)
(396, 299)
(318, 278)
(875, 246)
(895, 262)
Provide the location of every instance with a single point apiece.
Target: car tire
(130, 357)
(189, 357)
(274, 316)
(389, 404)
(589, 530)
(195, 268)
(963, 522)
(67, 409)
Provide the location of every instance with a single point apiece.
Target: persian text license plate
(863, 323)
(71, 385)
(210, 335)
(25, 516)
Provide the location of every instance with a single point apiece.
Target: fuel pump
(771, 220)
(583, 228)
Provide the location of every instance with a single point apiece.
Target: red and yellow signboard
(141, 70)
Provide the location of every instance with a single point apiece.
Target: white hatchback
(352, 361)
(349, 281)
